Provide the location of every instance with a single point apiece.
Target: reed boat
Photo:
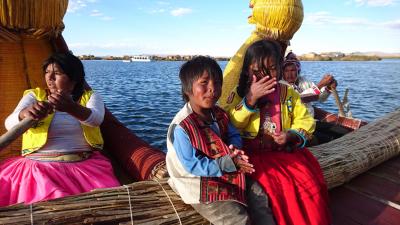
(361, 168)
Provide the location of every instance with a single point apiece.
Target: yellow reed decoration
(274, 19)
(277, 19)
(32, 14)
(27, 28)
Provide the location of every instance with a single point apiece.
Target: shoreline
(307, 57)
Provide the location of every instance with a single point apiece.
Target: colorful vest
(36, 137)
(230, 186)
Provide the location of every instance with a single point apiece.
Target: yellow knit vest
(36, 137)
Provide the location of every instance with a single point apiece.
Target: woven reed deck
(371, 198)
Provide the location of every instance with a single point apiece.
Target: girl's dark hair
(72, 67)
(193, 69)
(258, 52)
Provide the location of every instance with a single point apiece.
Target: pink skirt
(27, 181)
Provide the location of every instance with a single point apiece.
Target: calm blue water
(146, 96)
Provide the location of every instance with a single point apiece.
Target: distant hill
(354, 56)
(379, 54)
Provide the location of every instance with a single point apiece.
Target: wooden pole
(338, 102)
(15, 132)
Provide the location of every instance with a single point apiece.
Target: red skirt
(295, 186)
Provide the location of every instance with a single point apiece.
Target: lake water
(146, 96)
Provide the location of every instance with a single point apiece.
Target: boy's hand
(259, 88)
(36, 111)
(241, 160)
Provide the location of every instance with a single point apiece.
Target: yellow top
(294, 114)
(36, 137)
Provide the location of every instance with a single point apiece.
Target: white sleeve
(25, 101)
(308, 87)
(96, 105)
(324, 94)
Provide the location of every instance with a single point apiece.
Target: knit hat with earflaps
(291, 58)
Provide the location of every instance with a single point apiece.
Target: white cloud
(376, 3)
(76, 5)
(106, 18)
(96, 12)
(392, 24)
(162, 3)
(117, 47)
(100, 15)
(156, 11)
(181, 11)
(323, 17)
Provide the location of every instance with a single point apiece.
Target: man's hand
(325, 81)
(332, 85)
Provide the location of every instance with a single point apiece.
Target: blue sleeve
(198, 164)
(234, 136)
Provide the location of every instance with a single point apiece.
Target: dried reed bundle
(274, 19)
(153, 202)
(36, 17)
(8, 36)
(277, 19)
(146, 202)
(356, 152)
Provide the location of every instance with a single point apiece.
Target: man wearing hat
(309, 91)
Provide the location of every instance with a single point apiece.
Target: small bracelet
(248, 107)
(301, 137)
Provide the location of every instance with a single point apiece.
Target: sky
(220, 27)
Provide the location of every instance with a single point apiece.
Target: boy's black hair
(257, 52)
(72, 67)
(193, 69)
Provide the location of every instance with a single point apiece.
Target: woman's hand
(259, 89)
(61, 101)
(241, 160)
(36, 111)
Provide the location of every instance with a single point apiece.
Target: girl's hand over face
(241, 160)
(61, 101)
(36, 111)
(260, 88)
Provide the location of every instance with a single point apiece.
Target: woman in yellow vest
(59, 156)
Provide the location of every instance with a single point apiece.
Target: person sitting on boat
(204, 161)
(275, 126)
(60, 154)
(308, 90)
